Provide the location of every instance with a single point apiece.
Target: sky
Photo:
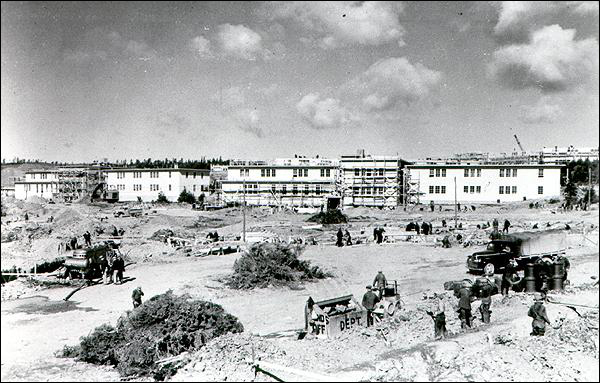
(83, 81)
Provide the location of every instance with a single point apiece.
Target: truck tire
(489, 269)
(391, 308)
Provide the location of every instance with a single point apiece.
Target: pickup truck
(524, 248)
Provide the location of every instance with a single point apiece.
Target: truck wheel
(488, 269)
(391, 308)
(398, 305)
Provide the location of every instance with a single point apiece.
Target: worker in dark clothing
(74, 243)
(104, 269)
(464, 306)
(438, 314)
(136, 296)
(507, 277)
(308, 308)
(375, 234)
(340, 238)
(119, 266)
(370, 299)
(446, 242)
(418, 228)
(444, 224)
(26, 217)
(495, 235)
(88, 238)
(380, 237)
(348, 238)
(495, 224)
(486, 303)
(379, 283)
(432, 205)
(506, 226)
(425, 228)
(538, 312)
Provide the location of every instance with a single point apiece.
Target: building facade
(289, 182)
(148, 183)
(557, 155)
(42, 183)
(483, 183)
(371, 181)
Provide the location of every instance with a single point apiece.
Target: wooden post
(455, 206)
(244, 211)
(590, 188)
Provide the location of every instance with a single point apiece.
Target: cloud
(342, 23)
(239, 41)
(552, 61)
(249, 120)
(171, 122)
(201, 46)
(99, 44)
(392, 80)
(546, 111)
(322, 113)
(518, 18)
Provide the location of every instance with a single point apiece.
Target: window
(514, 189)
(356, 190)
(356, 172)
(478, 172)
(437, 189)
(514, 172)
(472, 189)
(501, 172)
(187, 174)
(318, 189)
(194, 174)
(328, 172)
(283, 189)
(443, 189)
(295, 172)
(466, 172)
(241, 172)
(169, 177)
(540, 175)
(472, 172)
(466, 189)
(501, 191)
(381, 171)
(430, 189)
(295, 189)
(431, 171)
(322, 172)
(273, 172)
(169, 187)
(194, 188)
(438, 172)
(262, 172)
(306, 189)
(540, 189)
(367, 190)
(443, 172)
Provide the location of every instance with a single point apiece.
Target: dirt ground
(36, 322)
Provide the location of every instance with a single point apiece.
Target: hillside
(12, 171)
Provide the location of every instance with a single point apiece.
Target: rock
(446, 352)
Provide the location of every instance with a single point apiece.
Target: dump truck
(331, 317)
(524, 248)
(85, 263)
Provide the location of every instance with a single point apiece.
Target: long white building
(41, 183)
(562, 155)
(291, 182)
(483, 183)
(148, 183)
(372, 181)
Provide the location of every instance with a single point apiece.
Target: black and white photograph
(303, 191)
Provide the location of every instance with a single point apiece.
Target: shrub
(186, 197)
(272, 264)
(164, 326)
(329, 217)
(162, 198)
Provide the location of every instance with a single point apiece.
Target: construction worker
(495, 234)
(507, 277)
(119, 266)
(464, 306)
(104, 269)
(506, 226)
(369, 301)
(486, 303)
(348, 238)
(432, 205)
(438, 314)
(495, 224)
(538, 312)
(446, 242)
(88, 238)
(379, 283)
(136, 296)
(340, 238)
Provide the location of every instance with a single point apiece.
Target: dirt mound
(329, 217)
(161, 328)
(274, 264)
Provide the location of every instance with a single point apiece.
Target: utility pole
(455, 217)
(244, 212)
(589, 206)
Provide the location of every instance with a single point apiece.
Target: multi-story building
(291, 182)
(372, 181)
(556, 155)
(483, 183)
(148, 183)
(40, 183)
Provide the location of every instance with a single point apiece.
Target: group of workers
(112, 267)
(343, 238)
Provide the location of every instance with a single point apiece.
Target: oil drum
(529, 278)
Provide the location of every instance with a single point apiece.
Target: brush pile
(330, 217)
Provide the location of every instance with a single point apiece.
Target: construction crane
(519, 143)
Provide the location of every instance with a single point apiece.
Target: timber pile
(151, 340)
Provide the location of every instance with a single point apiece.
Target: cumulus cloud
(239, 41)
(517, 18)
(322, 113)
(552, 60)
(545, 111)
(201, 46)
(341, 23)
(393, 80)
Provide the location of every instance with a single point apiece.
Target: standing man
(379, 283)
(538, 312)
(369, 301)
(119, 266)
(506, 226)
(26, 216)
(495, 224)
(486, 303)
(432, 206)
(88, 238)
(348, 238)
(438, 314)
(507, 277)
(464, 306)
(136, 296)
(340, 238)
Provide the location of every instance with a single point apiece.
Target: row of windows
(507, 172)
(437, 189)
(43, 176)
(477, 172)
(39, 188)
(472, 172)
(471, 189)
(300, 172)
(153, 174)
(368, 172)
(376, 190)
(437, 172)
(268, 172)
(201, 188)
(253, 189)
(507, 190)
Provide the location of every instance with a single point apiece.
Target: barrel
(529, 278)
(556, 282)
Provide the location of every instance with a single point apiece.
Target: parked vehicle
(86, 262)
(129, 212)
(524, 248)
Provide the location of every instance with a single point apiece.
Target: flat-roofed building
(483, 183)
(38, 183)
(371, 181)
(558, 155)
(291, 182)
(147, 183)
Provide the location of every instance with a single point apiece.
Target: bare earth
(36, 323)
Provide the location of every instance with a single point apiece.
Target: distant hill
(12, 171)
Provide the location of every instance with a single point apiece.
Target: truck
(128, 212)
(86, 263)
(523, 248)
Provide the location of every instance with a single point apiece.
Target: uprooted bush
(329, 217)
(272, 264)
(164, 326)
